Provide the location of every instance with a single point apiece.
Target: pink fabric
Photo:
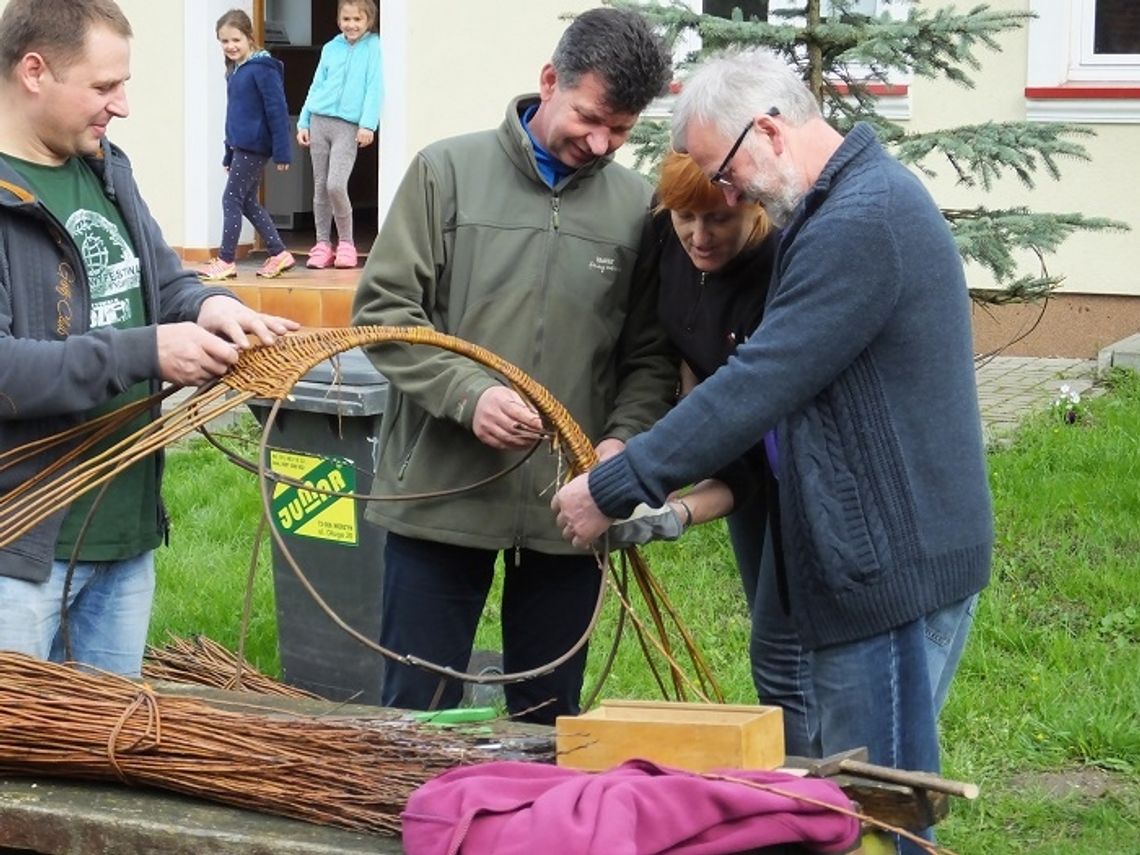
(637, 808)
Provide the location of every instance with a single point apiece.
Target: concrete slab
(1012, 387)
(1122, 354)
(75, 818)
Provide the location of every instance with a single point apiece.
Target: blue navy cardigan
(863, 363)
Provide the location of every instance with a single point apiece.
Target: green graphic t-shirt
(126, 522)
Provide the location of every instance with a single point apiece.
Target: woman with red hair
(715, 261)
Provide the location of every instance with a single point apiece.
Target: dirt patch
(1084, 783)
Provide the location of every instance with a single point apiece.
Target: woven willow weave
(270, 372)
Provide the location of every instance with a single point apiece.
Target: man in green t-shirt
(95, 312)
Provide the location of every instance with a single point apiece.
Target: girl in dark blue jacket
(257, 128)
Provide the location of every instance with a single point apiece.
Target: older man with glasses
(860, 377)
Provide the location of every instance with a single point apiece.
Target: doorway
(294, 31)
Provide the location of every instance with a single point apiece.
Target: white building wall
(452, 65)
(1100, 263)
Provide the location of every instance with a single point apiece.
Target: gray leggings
(332, 143)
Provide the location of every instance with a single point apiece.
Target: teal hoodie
(348, 83)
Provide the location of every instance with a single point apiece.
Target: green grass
(1044, 712)
(214, 508)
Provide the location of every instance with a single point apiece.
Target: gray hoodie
(53, 368)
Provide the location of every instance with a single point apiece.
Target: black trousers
(434, 595)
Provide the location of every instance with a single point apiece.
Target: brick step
(313, 298)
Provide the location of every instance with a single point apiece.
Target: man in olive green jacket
(525, 240)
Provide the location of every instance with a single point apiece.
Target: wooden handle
(923, 780)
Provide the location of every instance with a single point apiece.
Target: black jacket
(707, 315)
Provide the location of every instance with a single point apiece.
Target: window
(894, 97)
(723, 8)
(1115, 30)
(1084, 61)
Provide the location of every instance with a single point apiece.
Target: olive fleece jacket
(478, 246)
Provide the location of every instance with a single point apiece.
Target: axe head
(829, 766)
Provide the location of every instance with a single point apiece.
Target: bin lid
(351, 368)
(346, 384)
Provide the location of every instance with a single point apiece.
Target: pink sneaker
(215, 270)
(345, 254)
(320, 256)
(275, 265)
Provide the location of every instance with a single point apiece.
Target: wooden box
(696, 737)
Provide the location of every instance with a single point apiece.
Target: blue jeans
(781, 667)
(108, 613)
(881, 691)
(946, 633)
(433, 596)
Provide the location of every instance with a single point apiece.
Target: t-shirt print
(113, 269)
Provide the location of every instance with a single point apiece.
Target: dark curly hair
(621, 48)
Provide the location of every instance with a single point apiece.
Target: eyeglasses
(718, 177)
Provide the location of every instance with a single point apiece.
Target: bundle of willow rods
(201, 661)
(58, 721)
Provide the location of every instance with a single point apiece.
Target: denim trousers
(884, 692)
(433, 597)
(781, 667)
(108, 613)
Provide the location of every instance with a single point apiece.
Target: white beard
(780, 197)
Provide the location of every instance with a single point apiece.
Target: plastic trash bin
(327, 435)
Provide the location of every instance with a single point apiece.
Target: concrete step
(1122, 354)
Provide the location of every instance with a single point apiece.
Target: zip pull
(518, 555)
(555, 202)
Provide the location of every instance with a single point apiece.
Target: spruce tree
(841, 53)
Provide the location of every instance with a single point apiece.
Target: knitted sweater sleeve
(837, 284)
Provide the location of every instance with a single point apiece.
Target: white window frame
(1086, 64)
(1065, 80)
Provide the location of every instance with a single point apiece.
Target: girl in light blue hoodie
(340, 116)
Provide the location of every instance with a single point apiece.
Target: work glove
(645, 524)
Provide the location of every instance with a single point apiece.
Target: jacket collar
(858, 143)
(515, 140)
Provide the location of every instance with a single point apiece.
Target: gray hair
(57, 29)
(731, 88)
(621, 48)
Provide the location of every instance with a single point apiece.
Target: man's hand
(503, 420)
(189, 355)
(231, 319)
(578, 517)
(608, 448)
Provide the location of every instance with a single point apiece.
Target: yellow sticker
(312, 511)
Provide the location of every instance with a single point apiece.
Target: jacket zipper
(344, 75)
(526, 480)
(411, 449)
(691, 319)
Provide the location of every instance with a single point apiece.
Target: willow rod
(270, 372)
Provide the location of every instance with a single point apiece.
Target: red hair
(682, 186)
